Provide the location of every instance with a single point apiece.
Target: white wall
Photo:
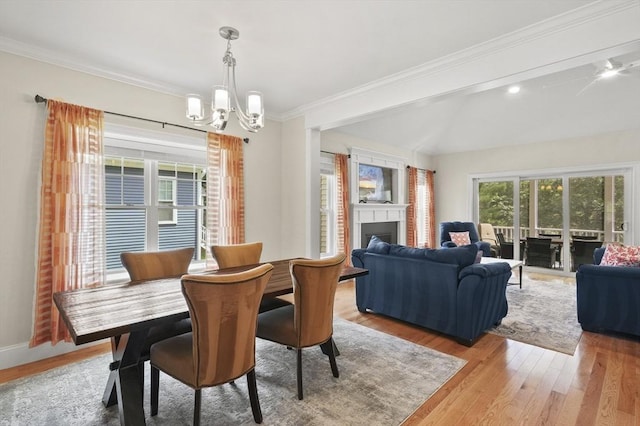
(21, 140)
(454, 170)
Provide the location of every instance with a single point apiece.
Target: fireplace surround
(389, 213)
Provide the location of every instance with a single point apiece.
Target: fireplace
(386, 231)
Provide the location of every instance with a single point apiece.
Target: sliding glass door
(561, 217)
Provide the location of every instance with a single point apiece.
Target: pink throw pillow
(617, 255)
(460, 238)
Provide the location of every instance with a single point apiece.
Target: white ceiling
(300, 52)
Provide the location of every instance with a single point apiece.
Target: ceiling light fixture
(514, 89)
(611, 68)
(224, 98)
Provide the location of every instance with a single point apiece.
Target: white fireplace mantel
(378, 212)
(375, 213)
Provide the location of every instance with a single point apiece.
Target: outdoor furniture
(582, 252)
(540, 252)
(506, 247)
(488, 234)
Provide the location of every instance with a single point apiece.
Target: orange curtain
(421, 210)
(342, 214)
(71, 245)
(225, 191)
(412, 230)
(430, 209)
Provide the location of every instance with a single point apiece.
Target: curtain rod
(42, 100)
(333, 153)
(434, 172)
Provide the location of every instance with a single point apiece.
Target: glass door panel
(496, 208)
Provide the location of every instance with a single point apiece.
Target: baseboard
(14, 355)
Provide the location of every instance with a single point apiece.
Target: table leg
(520, 272)
(125, 378)
(109, 397)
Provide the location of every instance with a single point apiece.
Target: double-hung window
(155, 186)
(328, 204)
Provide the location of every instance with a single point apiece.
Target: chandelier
(224, 99)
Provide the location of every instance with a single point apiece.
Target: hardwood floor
(504, 382)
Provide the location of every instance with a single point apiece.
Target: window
(328, 204)
(151, 203)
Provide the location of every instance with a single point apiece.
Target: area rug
(542, 313)
(383, 379)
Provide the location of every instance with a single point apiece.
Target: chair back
(314, 289)
(233, 255)
(224, 313)
(446, 227)
(487, 233)
(153, 265)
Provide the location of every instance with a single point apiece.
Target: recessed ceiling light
(513, 89)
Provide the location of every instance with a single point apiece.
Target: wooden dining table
(125, 312)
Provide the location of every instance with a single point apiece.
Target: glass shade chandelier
(224, 99)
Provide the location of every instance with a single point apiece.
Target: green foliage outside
(586, 200)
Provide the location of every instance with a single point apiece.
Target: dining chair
(309, 321)
(221, 347)
(144, 266)
(582, 252)
(229, 256)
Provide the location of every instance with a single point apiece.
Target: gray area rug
(383, 379)
(543, 313)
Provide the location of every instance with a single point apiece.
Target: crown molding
(548, 28)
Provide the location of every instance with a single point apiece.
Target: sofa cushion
(462, 256)
(618, 255)
(460, 238)
(404, 251)
(376, 245)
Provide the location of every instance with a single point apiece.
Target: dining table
(125, 312)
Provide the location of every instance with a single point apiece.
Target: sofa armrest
(449, 244)
(608, 298)
(357, 257)
(481, 298)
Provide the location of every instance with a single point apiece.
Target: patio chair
(540, 252)
(582, 252)
(488, 234)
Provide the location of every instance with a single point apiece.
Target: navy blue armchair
(608, 297)
(445, 239)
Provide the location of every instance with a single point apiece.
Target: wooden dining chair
(221, 347)
(145, 266)
(229, 256)
(309, 321)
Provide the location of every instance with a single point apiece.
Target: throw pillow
(617, 255)
(376, 245)
(460, 238)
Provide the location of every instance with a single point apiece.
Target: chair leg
(253, 396)
(155, 388)
(332, 357)
(299, 373)
(196, 407)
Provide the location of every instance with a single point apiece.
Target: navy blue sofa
(608, 297)
(443, 290)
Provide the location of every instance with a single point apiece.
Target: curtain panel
(71, 234)
(342, 214)
(412, 230)
(225, 191)
(421, 231)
